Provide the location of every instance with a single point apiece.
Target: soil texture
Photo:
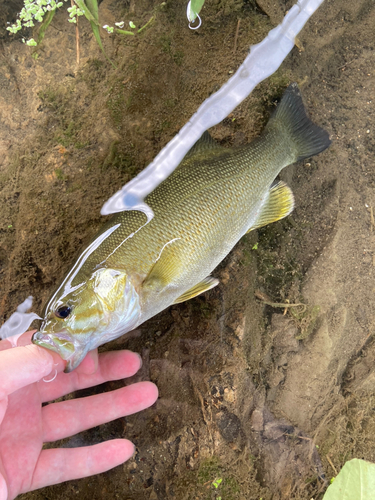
(268, 396)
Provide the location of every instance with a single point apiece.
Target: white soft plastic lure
(263, 60)
(19, 321)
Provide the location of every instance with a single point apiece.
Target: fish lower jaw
(75, 359)
(62, 344)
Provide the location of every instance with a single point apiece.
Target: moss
(262, 101)
(165, 42)
(48, 96)
(66, 121)
(249, 244)
(96, 63)
(200, 483)
(167, 46)
(111, 156)
(170, 103)
(116, 103)
(60, 174)
(125, 163)
(278, 267)
(94, 73)
(121, 160)
(178, 57)
(75, 187)
(306, 320)
(277, 83)
(209, 470)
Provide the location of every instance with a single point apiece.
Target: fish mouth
(63, 344)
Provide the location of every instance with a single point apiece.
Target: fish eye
(63, 311)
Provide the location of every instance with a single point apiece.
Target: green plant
(217, 483)
(355, 481)
(194, 7)
(43, 11)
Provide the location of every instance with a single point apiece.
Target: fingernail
(140, 360)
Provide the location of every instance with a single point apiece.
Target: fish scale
(135, 267)
(217, 215)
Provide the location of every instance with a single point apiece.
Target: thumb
(22, 366)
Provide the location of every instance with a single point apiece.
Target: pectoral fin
(201, 287)
(166, 268)
(280, 203)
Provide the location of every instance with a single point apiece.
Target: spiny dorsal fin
(280, 203)
(205, 143)
(201, 287)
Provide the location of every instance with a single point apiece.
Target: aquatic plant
(43, 12)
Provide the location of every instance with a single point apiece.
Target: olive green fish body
(201, 211)
(135, 268)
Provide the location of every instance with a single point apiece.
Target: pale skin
(25, 425)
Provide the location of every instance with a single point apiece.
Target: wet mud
(269, 396)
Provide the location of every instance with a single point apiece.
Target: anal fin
(280, 203)
(197, 289)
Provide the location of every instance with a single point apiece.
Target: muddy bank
(272, 400)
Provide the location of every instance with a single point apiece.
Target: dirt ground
(271, 400)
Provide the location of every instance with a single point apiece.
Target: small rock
(229, 395)
(229, 425)
(257, 420)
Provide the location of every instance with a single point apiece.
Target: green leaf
(93, 7)
(31, 42)
(46, 22)
(356, 481)
(124, 32)
(217, 482)
(109, 29)
(149, 22)
(195, 8)
(88, 12)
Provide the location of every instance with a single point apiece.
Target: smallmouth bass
(134, 268)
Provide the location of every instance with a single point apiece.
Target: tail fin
(290, 114)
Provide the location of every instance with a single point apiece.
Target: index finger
(114, 365)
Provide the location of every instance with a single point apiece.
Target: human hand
(25, 425)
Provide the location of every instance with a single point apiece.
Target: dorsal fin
(205, 143)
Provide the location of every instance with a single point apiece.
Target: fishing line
(195, 27)
(52, 379)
